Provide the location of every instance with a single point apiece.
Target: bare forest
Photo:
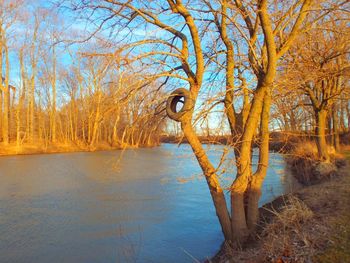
(56, 95)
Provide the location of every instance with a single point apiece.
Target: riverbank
(282, 142)
(41, 148)
(279, 142)
(310, 225)
(26, 149)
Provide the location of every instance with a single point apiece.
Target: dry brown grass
(284, 239)
(305, 163)
(311, 225)
(302, 159)
(279, 239)
(306, 150)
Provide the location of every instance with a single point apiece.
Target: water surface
(145, 205)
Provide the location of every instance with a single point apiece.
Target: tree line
(52, 95)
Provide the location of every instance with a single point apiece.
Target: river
(144, 205)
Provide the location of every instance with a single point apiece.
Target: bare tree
(176, 51)
(8, 17)
(319, 68)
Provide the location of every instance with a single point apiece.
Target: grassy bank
(310, 225)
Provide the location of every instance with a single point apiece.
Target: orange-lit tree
(170, 39)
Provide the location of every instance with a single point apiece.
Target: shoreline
(30, 149)
(279, 142)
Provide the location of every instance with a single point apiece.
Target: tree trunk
(1, 84)
(4, 87)
(342, 115)
(31, 109)
(18, 118)
(244, 173)
(348, 113)
(336, 143)
(6, 98)
(216, 191)
(254, 191)
(286, 122)
(53, 110)
(39, 119)
(5, 124)
(115, 132)
(321, 118)
(293, 122)
(1, 113)
(96, 122)
(329, 131)
(238, 217)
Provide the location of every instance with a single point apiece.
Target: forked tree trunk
(321, 119)
(240, 185)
